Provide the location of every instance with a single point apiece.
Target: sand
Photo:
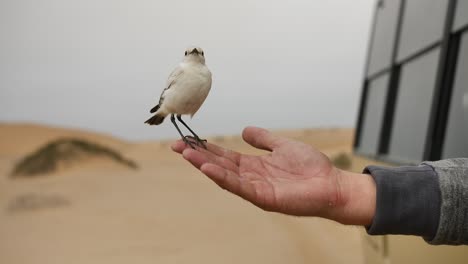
(164, 212)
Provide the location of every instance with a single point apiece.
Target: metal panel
(414, 101)
(456, 143)
(461, 15)
(383, 36)
(423, 25)
(373, 115)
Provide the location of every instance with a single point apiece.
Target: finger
(221, 160)
(261, 138)
(179, 146)
(226, 153)
(201, 156)
(230, 181)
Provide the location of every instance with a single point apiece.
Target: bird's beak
(194, 51)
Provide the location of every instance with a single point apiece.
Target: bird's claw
(199, 142)
(189, 142)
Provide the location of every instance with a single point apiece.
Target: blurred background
(101, 65)
(83, 180)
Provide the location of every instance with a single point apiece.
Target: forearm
(403, 200)
(426, 200)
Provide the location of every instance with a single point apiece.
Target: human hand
(293, 178)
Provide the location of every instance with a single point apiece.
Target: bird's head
(195, 54)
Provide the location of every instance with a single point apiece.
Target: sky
(101, 65)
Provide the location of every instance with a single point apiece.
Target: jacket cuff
(408, 201)
(453, 182)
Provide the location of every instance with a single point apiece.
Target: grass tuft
(342, 161)
(63, 151)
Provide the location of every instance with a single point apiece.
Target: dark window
(423, 24)
(456, 141)
(461, 15)
(384, 36)
(373, 115)
(413, 107)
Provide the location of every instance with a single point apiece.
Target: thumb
(261, 138)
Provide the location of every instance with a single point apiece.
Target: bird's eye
(185, 53)
(203, 53)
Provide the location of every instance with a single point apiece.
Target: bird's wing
(177, 72)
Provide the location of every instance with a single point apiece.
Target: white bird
(186, 89)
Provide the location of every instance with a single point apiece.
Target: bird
(186, 89)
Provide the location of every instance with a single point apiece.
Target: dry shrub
(65, 151)
(342, 161)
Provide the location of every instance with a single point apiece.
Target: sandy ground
(164, 212)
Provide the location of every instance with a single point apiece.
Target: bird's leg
(188, 142)
(195, 136)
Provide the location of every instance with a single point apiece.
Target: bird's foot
(189, 142)
(197, 140)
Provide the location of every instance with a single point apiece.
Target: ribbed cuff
(408, 201)
(453, 182)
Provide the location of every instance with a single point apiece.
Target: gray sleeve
(430, 200)
(407, 202)
(453, 182)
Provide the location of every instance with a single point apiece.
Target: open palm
(293, 178)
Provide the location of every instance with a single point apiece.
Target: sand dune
(18, 139)
(164, 212)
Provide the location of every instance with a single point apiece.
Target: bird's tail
(156, 119)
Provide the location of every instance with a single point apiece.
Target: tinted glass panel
(374, 108)
(413, 106)
(423, 24)
(461, 15)
(456, 143)
(384, 35)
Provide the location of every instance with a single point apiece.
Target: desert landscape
(93, 209)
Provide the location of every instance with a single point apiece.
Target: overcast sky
(102, 64)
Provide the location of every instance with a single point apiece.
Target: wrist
(358, 198)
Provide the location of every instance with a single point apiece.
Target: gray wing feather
(170, 81)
